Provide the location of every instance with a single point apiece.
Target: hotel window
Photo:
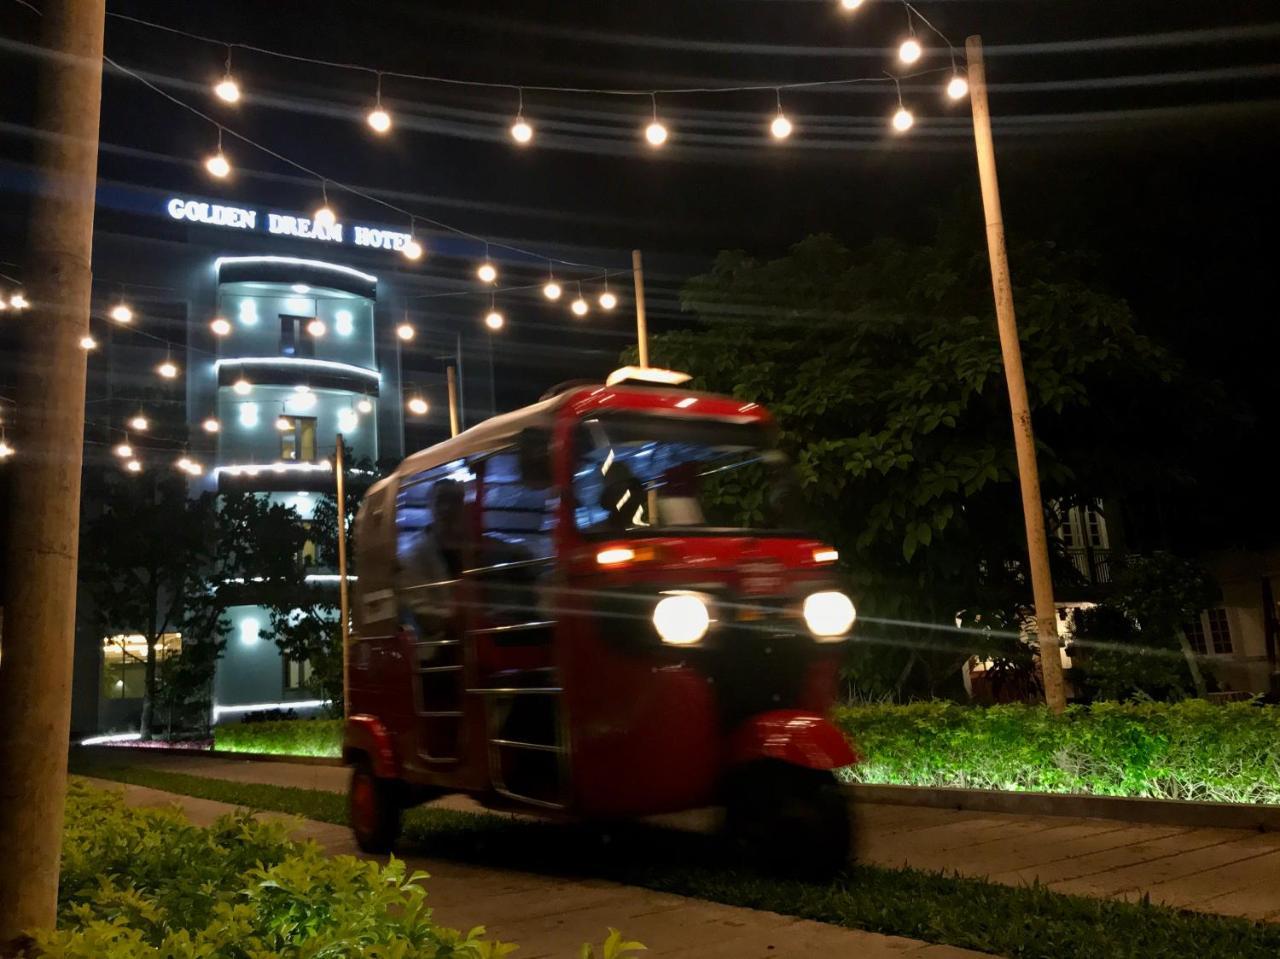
(298, 442)
(1219, 631)
(297, 673)
(1194, 631)
(294, 339)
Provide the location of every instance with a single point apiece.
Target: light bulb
(242, 387)
(184, 463)
(218, 165)
(608, 301)
(487, 272)
(903, 119)
(655, 133)
(220, 326)
(412, 250)
(133, 466)
(167, 369)
(958, 87)
(324, 217)
(88, 343)
(124, 451)
(780, 127)
(851, 4)
(521, 132)
(5, 450)
(18, 301)
(283, 423)
(418, 406)
(365, 405)
(494, 320)
(139, 423)
(579, 307)
(404, 331)
(910, 50)
(227, 90)
(379, 119)
(121, 313)
(194, 468)
(552, 290)
(211, 425)
(316, 328)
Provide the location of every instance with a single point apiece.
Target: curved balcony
(298, 371)
(291, 269)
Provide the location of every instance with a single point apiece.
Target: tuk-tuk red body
(548, 614)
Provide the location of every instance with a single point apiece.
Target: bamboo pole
(642, 326)
(452, 376)
(344, 594)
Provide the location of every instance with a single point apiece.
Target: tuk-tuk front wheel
(788, 819)
(374, 809)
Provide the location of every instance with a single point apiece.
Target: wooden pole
(1024, 441)
(642, 327)
(344, 596)
(44, 508)
(452, 376)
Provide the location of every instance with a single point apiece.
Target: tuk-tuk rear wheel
(789, 819)
(373, 806)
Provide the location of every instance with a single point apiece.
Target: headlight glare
(681, 618)
(829, 614)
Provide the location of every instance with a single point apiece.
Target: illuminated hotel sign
(282, 224)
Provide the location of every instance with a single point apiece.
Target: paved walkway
(1228, 871)
(551, 917)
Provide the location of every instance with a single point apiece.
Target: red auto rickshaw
(599, 606)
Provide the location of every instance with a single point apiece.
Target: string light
(910, 51)
(284, 424)
(902, 118)
(655, 132)
(487, 272)
(242, 387)
(218, 165)
(87, 342)
(379, 119)
(781, 126)
(227, 89)
(413, 249)
(121, 313)
(133, 466)
(139, 422)
(607, 300)
(211, 425)
(957, 87)
(324, 217)
(850, 4)
(5, 449)
(123, 450)
(417, 406)
(220, 326)
(18, 301)
(316, 328)
(405, 331)
(167, 369)
(551, 289)
(364, 405)
(521, 131)
(579, 306)
(493, 319)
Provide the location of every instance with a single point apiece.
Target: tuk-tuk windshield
(637, 473)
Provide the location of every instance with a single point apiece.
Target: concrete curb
(1162, 812)
(105, 750)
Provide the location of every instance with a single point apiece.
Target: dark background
(1118, 134)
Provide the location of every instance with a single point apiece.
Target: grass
(1027, 922)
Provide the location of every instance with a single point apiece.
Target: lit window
(298, 441)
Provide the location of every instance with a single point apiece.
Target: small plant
(281, 737)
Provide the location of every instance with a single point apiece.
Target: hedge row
(285, 737)
(1188, 750)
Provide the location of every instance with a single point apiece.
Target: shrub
(293, 737)
(1187, 750)
(146, 883)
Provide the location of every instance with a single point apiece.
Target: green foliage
(141, 883)
(1022, 922)
(1188, 750)
(286, 737)
(883, 368)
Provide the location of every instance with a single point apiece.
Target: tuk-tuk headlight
(829, 614)
(681, 619)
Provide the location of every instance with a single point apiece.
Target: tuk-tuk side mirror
(534, 451)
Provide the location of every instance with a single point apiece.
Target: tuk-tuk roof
(497, 431)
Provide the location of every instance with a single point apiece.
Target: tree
(143, 563)
(882, 366)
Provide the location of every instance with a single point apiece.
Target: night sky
(1144, 132)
